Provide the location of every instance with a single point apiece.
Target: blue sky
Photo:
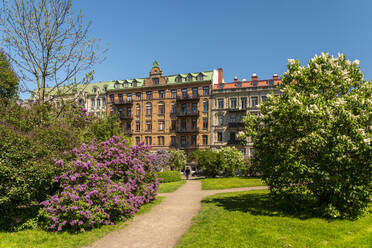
(242, 37)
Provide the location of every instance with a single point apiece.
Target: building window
(161, 125)
(138, 126)
(200, 77)
(173, 140)
(149, 95)
(263, 98)
(111, 111)
(120, 97)
(148, 140)
(161, 108)
(137, 140)
(160, 140)
(116, 86)
(120, 112)
(105, 88)
(98, 102)
(233, 103)
(178, 79)
(92, 102)
(242, 151)
(129, 126)
(161, 94)
(184, 92)
(205, 123)
(232, 118)
(194, 107)
(94, 90)
(244, 102)
(220, 103)
(184, 107)
(183, 140)
(129, 97)
(254, 83)
(205, 139)
(220, 86)
(103, 101)
(205, 106)
(138, 95)
(194, 123)
(174, 123)
(134, 84)
(239, 85)
(271, 83)
(129, 111)
(174, 93)
(220, 120)
(183, 124)
(254, 101)
(138, 109)
(155, 81)
(189, 78)
(148, 125)
(148, 108)
(193, 140)
(206, 91)
(174, 108)
(125, 84)
(219, 136)
(195, 91)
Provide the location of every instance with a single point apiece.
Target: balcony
(122, 102)
(233, 142)
(236, 125)
(125, 117)
(188, 98)
(187, 113)
(237, 109)
(187, 130)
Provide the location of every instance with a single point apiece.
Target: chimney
(254, 77)
(235, 79)
(275, 77)
(220, 75)
(244, 80)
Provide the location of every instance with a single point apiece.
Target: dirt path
(164, 225)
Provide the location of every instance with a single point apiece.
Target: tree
(208, 162)
(8, 78)
(230, 160)
(177, 160)
(162, 160)
(48, 44)
(315, 139)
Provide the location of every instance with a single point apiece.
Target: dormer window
(254, 83)
(94, 90)
(178, 79)
(116, 86)
(125, 84)
(239, 84)
(271, 82)
(105, 88)
(134, 83)
(200, 77)
(189, 78)
(155, 81)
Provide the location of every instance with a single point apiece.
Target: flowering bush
(315, 139)
(107, 182)
(162, 160)
(177, 160)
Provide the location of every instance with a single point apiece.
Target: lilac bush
(107, 182)
(162, 160)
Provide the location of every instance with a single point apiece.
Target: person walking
(187, 172)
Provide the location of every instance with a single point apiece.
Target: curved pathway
(164, 225)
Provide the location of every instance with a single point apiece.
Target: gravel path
(164, 225)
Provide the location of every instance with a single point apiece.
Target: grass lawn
(40, 239)
(251, 219)
(170, 187)
(230, 182)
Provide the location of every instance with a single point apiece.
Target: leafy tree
(162, 160)
(230, 160)
(315, 139)
(8, 78)
(177, 160)
(48, 43)
(208, 162)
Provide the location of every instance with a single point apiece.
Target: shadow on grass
(262, 204)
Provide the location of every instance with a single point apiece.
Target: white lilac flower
(291, 61)
(356, 62)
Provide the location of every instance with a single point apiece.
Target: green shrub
(169, 176)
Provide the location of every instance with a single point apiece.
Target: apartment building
(231, 102)
(165, 111)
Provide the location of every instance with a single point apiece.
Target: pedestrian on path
(187, 172)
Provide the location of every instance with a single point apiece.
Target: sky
(242, 37)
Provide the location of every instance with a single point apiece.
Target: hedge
(169, 176)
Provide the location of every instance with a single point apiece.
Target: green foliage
(208, 162)
(315, 139)
(30, 138)
(178, 159)
(8, 78)
(169, 176)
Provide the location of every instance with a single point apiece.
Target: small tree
(48, 44)
(230, 160)
(162, 160)
(177, 160)
(8, 78)
(316, 137)
(208, 163)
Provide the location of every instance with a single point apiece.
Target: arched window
(138, 109)
(161, 108)
(116, 86)
(189, 78)
(125, 84)
(148, 108)
(200, 77)
(179, 79)
(134, 83)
